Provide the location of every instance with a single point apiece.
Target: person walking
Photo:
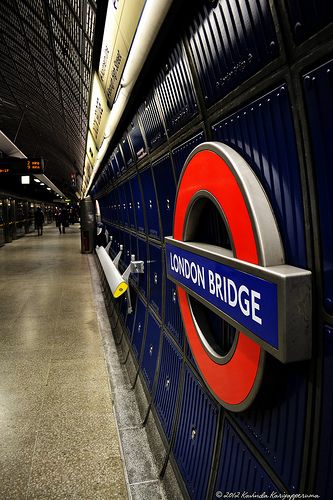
(63, 220)
(58, 219)
(39, 221)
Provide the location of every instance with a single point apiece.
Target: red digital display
(21, 166)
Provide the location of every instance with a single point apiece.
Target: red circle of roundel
(233, 382)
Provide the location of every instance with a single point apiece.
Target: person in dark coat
(57, 217)
(63, 220)
(39, 221)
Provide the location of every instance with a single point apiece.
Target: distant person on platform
(57, 218)
(63, 220)
(39, 221)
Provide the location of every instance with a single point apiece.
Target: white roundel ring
(220, 171)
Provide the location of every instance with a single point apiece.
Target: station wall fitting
(262, 85)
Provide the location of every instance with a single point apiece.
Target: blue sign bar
(247, 299)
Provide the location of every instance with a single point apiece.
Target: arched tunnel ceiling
(46, 51)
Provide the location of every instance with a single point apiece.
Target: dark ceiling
(46, 50)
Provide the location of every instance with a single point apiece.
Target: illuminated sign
(121, 23)
(91, 150)
(25, 179)
(35, 166)
(260, 301)
(99, 112)
(249, 286)
(21, 166)
(120, 26)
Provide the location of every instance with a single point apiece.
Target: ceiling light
(37, 180)
(49, 189)
(25, 179)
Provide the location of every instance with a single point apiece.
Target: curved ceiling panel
(45, 74)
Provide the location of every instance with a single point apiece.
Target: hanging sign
(21, 166)
(121, 23)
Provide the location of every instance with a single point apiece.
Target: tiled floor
(58, 436)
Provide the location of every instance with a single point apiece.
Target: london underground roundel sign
(250, 287)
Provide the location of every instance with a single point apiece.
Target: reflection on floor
(57, 430)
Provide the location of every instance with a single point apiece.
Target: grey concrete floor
(141, 462)
(58, 436)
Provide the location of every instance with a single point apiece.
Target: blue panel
(111, 173)
(103, 180)
(318, 88)
(238, 470)
(130, 207)
(190, 356)
(155, 274)
(151, 203)
(104, 177)
(131, 317)
(324, 481)
(108, 208)
(113, 206)
(142, 278)
(127, 152)
(136, 139)
(119, 207)
(278, 429)
(195, 437)
(138, 204)
(127, 251)
(116, 207)
(150, 353)
(230, 43)
(261, 319)
(115, 165)
(175, 90)
(122, 303)
(120, 159)
(139, 327)
(166, 191)
(263, 133)
(118, 213)
(152, 123)
(124, 217)
(134, 277)
(180, 153)
(173, 319)
(308, 16)
(167, 386)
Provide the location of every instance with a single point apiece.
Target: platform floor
(58, 435)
